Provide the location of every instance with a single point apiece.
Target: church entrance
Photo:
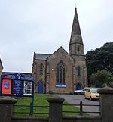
(40, 87)
(78, 86)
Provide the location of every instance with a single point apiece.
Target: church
(62, 72)
(1, 67)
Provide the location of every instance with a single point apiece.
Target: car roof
(90, 88)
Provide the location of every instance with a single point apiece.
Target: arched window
(78, 71)
(60, 73)
(78, 48)
(41, 69)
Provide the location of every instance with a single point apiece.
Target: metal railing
(29, 110)
(77, 109)
(81, 110)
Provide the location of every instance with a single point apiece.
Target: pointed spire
(76, 46)
(76, 15)
(76, 27)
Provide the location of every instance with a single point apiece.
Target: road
(75, 99)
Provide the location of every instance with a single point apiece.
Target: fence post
(6, 106)
(55, 109)
(81, 110)
(106, 104)
(30, 112)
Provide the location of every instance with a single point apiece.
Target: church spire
(76, 46)
(76, 27)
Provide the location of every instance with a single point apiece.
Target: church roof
(61, 49)
(41, 56)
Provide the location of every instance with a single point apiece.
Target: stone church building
(62, 72)
(1, 67)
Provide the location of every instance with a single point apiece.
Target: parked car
(91, 93)
(80, 92)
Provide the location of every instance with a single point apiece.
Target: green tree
(102, 77)
(100, 59)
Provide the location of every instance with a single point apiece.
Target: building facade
(1, 67)
(62, 72)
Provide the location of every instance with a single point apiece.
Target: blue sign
(18, 76)
(17, 87)
(61, 85)
(22, 84)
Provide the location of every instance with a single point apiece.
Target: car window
(87, 90)
(94, 90)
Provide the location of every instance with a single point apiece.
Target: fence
(37, 110)
(28, 111)
(81, 111)
(55, 110)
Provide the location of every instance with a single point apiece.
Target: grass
(70, 110)
(41, 100)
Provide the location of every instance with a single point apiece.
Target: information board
(17, 87)
(17, 84)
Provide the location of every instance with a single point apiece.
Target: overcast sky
(42, 26)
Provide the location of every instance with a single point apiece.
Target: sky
(42, 26)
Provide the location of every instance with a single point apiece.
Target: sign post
(17, 84)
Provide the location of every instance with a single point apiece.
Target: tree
(102, 77)
(100, 59)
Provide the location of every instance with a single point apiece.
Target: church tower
(76, 47)
(76, 51)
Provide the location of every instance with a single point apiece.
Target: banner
(6, 86)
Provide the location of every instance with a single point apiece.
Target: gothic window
(60, 73)
(78, 48)
(78, 71)
(41, 69)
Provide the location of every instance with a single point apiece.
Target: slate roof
(42, 56)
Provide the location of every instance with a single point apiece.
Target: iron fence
(80, 110)
(68, 109)
(29, 110)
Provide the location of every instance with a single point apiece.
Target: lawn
(41, 106)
